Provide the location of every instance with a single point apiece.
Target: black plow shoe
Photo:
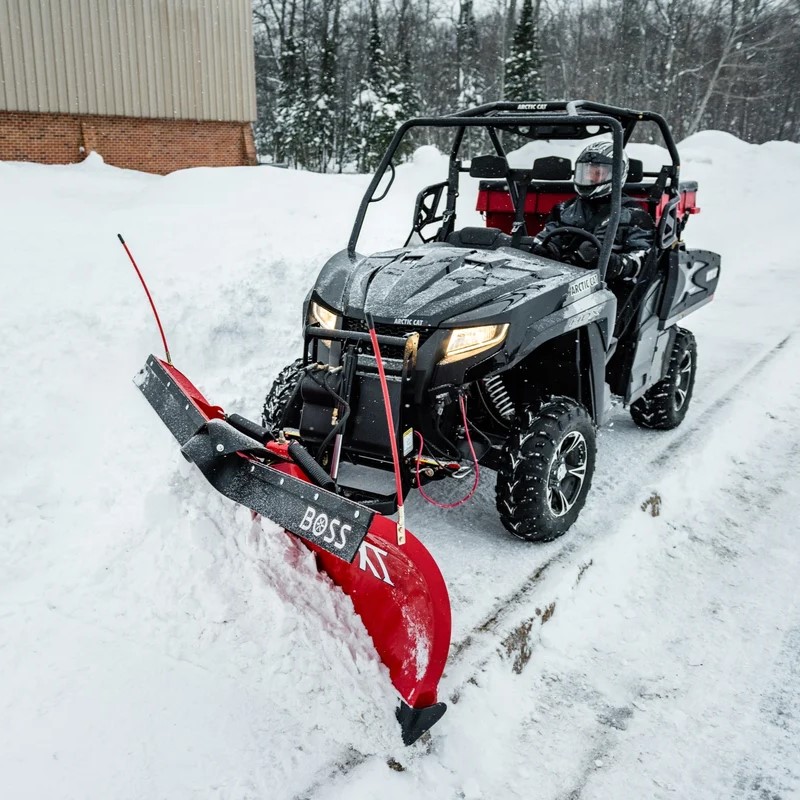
(415, 721)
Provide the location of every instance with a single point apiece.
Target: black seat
(481, 238)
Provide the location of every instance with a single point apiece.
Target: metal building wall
(169, 59)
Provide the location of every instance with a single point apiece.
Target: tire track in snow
(780, 723)
(772, 678)
(572, 550)
(470, 655)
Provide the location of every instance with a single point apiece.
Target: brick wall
(151, 145)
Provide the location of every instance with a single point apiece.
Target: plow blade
(397, 590)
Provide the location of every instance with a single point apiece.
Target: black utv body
(495, 355)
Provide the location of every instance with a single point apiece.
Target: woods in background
(335, 79)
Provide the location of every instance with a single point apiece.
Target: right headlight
(465, 342)
(322, 316)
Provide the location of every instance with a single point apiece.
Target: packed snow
(156, 642)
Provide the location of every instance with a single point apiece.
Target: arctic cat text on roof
(459, 349)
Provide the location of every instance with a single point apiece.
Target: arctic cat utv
(458, 349)
(493, 355)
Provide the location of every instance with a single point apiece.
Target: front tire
(664, 405)
(281, 394)
(546, 470)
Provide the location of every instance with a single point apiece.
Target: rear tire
(546, 470)
(280, 395)
(664, 405)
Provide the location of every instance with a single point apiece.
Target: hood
(429, 284)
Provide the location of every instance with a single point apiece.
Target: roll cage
(574, 119)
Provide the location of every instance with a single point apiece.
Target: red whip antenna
(152, 304)
(387, 405)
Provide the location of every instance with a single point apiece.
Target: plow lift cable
(462, 405)
(152, 304)
(401, 517)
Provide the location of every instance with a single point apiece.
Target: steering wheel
(569, 230)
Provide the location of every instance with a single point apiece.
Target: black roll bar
(484, 116)
(575, 108)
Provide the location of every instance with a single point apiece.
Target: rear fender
(692, 279)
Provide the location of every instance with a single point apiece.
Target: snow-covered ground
(154, 642)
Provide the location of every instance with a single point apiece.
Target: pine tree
(410, 99)
(284, 127)
(470, 82)
(523, 67)
(378, 105)
(323, 103)
(409, 94)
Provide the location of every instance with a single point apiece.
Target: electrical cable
(462, 404)
(340, 422)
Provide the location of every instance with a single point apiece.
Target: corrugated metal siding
(186, 59)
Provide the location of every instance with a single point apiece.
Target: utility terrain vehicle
(459, 349)
(496, 356)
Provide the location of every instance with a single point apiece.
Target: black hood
(432, 283)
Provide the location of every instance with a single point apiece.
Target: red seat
(494, 202)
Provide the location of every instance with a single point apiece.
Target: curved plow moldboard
(398, 591)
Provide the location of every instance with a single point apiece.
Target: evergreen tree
(470, 82)
(410, 99)
(723, 64)
(283, 129)
(290, 107)
(323, 103)
(409, 94)
(303, 119)
(378, 107)
(523, 67)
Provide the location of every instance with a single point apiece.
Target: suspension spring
(499, 396)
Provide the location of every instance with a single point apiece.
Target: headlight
(322, 316)
(464, 342)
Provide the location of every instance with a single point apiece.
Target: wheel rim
(567, 473)
(683, 380)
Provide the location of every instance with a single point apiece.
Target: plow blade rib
(398, 591)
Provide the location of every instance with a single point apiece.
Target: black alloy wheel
(546, 471)
(664, 405)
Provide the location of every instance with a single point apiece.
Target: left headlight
(322, 316)
(465, 342)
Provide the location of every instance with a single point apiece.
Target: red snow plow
(394, 583)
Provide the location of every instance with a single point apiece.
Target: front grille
(388, 329)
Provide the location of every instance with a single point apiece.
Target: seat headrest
(552, 168)
(490, 166)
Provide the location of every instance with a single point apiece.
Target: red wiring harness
(463, 407)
